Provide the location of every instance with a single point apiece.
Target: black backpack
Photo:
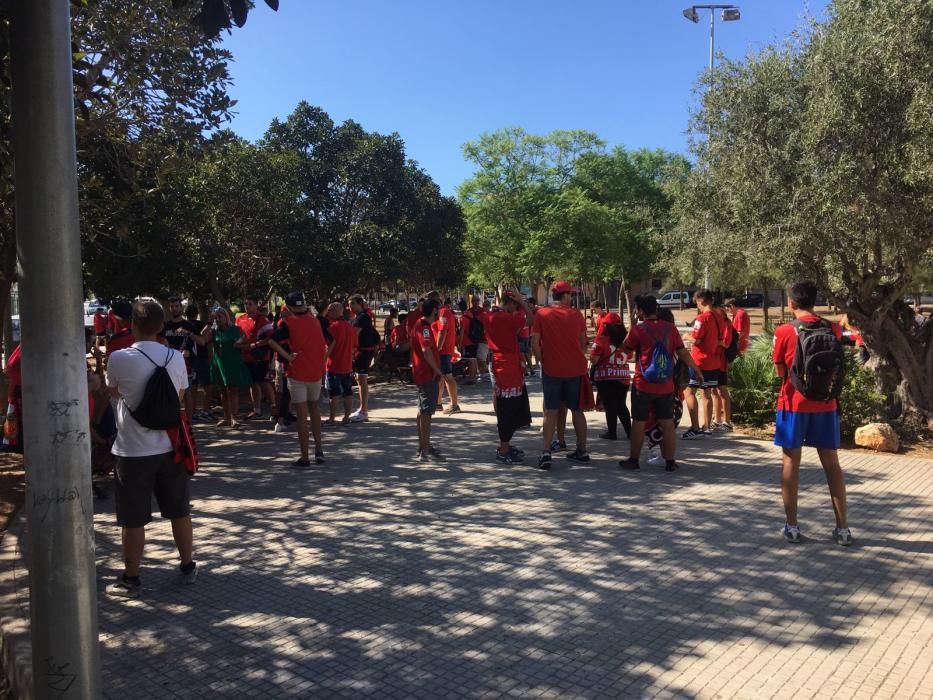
(818, 370)
(475, 330)
(159, 408)
(732, 349)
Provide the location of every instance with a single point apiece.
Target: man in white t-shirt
(145, 458)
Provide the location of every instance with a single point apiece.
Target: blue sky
(441, 72)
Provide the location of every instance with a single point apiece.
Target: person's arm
(241, 342)
(536, 346)
(777, 356)
(687, 359)
(442, 336)
(330, 349)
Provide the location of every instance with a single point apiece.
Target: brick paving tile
(374, 577)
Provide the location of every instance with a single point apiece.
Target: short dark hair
(174, 300)
(393, 312)
(803, 294)
(253, 298)
(358, 299)
(403, 316)
(647, 304)
(432, 294)
(557, 296)
(665, 314)
(596, 303)
(320, 305)
(730, 302)
(148, 317)
(704, 295)
(428, 308)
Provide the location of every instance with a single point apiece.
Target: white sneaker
(280, 428)
(359, 417)
(654, 457)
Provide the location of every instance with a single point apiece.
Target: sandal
(236, 426)
(330, 422)
(222, 423)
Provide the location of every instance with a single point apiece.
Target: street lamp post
(730, 13)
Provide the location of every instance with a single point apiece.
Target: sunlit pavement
(376, 576)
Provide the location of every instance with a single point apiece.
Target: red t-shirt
(502, 330)
(345, 341)
(250, 327)
(422, 343)
(742, 324)
(306, 340)
(559, 329)
(609, 363)
(446, 321)
(121, 339)
(785, 347)
(707, 334)
(640, 340)
(100, 323)
(399, 335)
(726, 332)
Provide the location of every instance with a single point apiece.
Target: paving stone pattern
(375, 576)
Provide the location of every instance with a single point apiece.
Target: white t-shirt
(128, 370)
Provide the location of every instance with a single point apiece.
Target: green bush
(861, 402)
(754, 386)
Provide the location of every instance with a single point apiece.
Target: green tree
(820, 162)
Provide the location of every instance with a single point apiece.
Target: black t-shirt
(368, 337)
(325, 323)
(172, 332)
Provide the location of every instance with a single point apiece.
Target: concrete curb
(15, 642)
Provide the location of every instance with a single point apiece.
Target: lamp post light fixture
(729, 13)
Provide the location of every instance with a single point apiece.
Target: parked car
(388, 306)
(751, 300)
(672, 300)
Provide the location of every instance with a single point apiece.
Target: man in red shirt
(445, 332)
(513, 411)
(121, 329)
(340, 353)
(473, 338)
(426, 375)
(722, 400)
(256, 356)
(707, 353)
(559, 343)
(656, 396)
(741, 323)
(306, 358)
(802, 421)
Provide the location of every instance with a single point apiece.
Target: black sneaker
(516, 454)
(692, 434)
(544, 461)
(579, 455)
(301, 462)
(504, 458)
(122, 588)
(319, 457)
(671, 466)
(608, 436)
(631, 464)
(187, 574)
(558, 445)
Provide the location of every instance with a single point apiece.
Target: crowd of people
(294, 359)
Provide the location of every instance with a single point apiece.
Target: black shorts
(259, 371)
(137, 479)
(469, 351)
(427, 397)
(724, 377)
(363, 362)
(202, 371)
(643, 402)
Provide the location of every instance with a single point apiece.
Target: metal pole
(59, 506)
(709, 133)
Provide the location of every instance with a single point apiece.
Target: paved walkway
(376, 577)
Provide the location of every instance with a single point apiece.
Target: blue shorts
(710, 379)
(561, 390)
(340, 384)
(447, 366)
(820, 430)
(524, 345)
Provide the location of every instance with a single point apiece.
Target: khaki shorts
(304, 392)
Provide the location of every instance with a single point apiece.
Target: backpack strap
(168, 357)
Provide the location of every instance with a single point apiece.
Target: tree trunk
(902, 357)
(764, 305)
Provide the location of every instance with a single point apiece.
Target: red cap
(612, 317)
(561, 287)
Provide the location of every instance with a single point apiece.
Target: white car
(671, 300)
